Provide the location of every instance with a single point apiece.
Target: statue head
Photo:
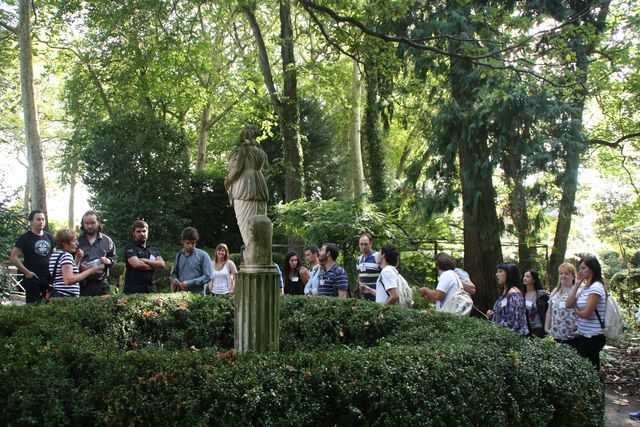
(249, 133)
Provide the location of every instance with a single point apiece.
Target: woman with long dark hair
(509, 309)
(587, 306)
(295, 275)
(536, 302)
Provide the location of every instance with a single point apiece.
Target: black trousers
(590, 347)
(94, 288)
(35, 288)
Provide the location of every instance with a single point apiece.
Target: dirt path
(622, 383)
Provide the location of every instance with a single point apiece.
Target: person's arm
(342, 283)
(432, 295)
(304, 275)
(79, 256)
(547, 321)
(174, 281)
(16, 253)
(138, 263)
(394, 296)
(156, 264)
(572, 298)
(110, 257)
(592, 303)
(233, 272)
(69, 278)
(468, 286)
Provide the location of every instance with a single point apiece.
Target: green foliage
(210, 212)
(336, 221)
(155, 360)
(12, 222)
(137, 167)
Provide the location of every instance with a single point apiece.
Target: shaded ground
(622, 382)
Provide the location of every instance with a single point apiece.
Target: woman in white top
(587, 306)
(560, 321)
(224, 272)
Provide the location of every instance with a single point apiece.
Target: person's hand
(364, 289)
(425, 293)
(30, 274)
(105, 260)
(79, 253)
(490, 314)
(96, 269)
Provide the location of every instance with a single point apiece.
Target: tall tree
(588, 22)
(286, 106)
(35, 158)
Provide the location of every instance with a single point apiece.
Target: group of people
(572, 314)
(73, 266)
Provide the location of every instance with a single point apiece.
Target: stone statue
(247, 189)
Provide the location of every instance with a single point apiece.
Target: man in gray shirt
(192, 269)
(98, 248)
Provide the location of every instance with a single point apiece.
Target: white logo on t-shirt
(42, 247)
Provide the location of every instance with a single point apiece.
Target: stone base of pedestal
(257, 313)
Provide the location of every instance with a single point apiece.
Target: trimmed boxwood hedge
(162, 360)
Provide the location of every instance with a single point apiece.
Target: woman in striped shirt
(67, 277)
(592, 300)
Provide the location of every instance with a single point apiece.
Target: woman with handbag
(587, 306)
(536, 302)
(560, 321)
(509, 309)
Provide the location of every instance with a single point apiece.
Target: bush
(158, 359)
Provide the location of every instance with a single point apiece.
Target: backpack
(460, 303)
(613, 322)
(405, 292)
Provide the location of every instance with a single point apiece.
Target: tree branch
(264, 60)
(616, 143)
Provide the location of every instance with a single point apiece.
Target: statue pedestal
(257, 311)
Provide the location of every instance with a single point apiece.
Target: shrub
(158, 360)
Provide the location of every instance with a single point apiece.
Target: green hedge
(159, 360)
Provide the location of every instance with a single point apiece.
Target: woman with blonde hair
(63, 268)
(224, 272)
(560, 322)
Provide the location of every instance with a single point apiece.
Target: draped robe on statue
(246, 186)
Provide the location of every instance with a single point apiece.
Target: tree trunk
(203, 134)
(290, 117)
(34, 146)
(72, 200)
(356, 172)
(373, 137)
(482, 248)
(593, 24)
(520, 217)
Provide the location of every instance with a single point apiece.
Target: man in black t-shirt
(141, 262)
(35, 247)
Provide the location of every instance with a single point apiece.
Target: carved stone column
(257, 298)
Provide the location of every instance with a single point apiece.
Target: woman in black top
(295, 275)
